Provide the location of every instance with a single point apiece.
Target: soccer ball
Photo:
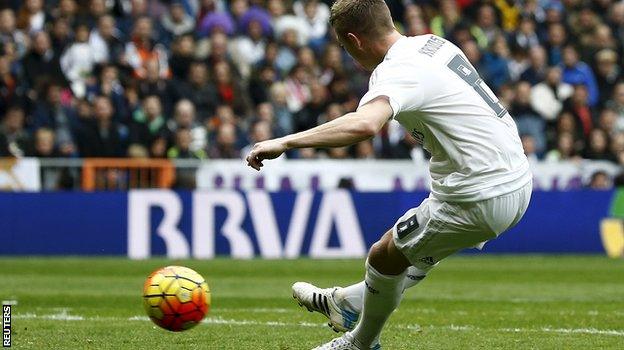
(176, 298)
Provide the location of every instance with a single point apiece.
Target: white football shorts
(437, 229)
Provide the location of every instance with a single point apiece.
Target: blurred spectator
(616, 21)
(229, 90)
(32, 17)
(287, 53)
(617, 148)
(536, 72)
(78, 60)
(565, 149)
(11, 91)
(285, 21)
(185, 118)
(600, 181)
(526, 35)
(53, 114)
(181, 148)
(61, 34)
(16, 140)
(557, 38)
(182, 55)
(576, 72)
(578, 105)
(199, 90)
(45, 144)
(444, 23)
(608, 73)
(566, 123)
(105, 40)
(9, 34)
(487, 23)
(607, 121)
(528, 144)
(616, 103)
(215, 22)
(527, 119)
(260, 85)
(42, 62)
(316, 15)
(247, 50)
(598, 146)
(158, 146)
(308, 116)
(103, 136)
(283, 115)
(547, 97)
(298, 88)
(149, 125)
(109, 84)
(177, 21)
(143, 48)
(225, 143)
(153, 84)
(265, 112)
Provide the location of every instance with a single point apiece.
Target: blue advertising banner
(203, 224)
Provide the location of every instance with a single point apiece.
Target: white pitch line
(271, 310)
(64, 316)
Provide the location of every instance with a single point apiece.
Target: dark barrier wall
(277, 225)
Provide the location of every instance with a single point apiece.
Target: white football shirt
(438, 96)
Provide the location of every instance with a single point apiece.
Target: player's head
(359, 25)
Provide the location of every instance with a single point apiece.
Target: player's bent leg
(385, 273)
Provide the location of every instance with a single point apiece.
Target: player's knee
(376, 254)
(386, 259)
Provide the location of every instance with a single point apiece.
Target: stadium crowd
(206, 78)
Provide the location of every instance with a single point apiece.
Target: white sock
(413, 277)
(350, 297)
(382, 295)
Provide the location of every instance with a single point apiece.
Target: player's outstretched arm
(346, 130)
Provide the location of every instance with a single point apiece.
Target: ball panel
(187, 283)
(152, 290)
(156, 312)
(186, 308)
(153, 300)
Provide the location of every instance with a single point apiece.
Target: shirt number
(467, 73)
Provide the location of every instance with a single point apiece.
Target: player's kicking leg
(386, 269)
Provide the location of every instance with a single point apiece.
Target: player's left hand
(269, 149)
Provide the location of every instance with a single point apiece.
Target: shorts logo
(406, 227)
(427, 260)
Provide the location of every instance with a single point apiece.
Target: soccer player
(481, 183)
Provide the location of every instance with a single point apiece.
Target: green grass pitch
(468, 302)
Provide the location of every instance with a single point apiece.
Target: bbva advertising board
(287, 224)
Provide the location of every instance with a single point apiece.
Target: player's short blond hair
(366, 17)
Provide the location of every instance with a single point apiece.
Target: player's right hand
(269, 149)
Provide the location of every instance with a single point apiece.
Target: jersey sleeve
(403, 92)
